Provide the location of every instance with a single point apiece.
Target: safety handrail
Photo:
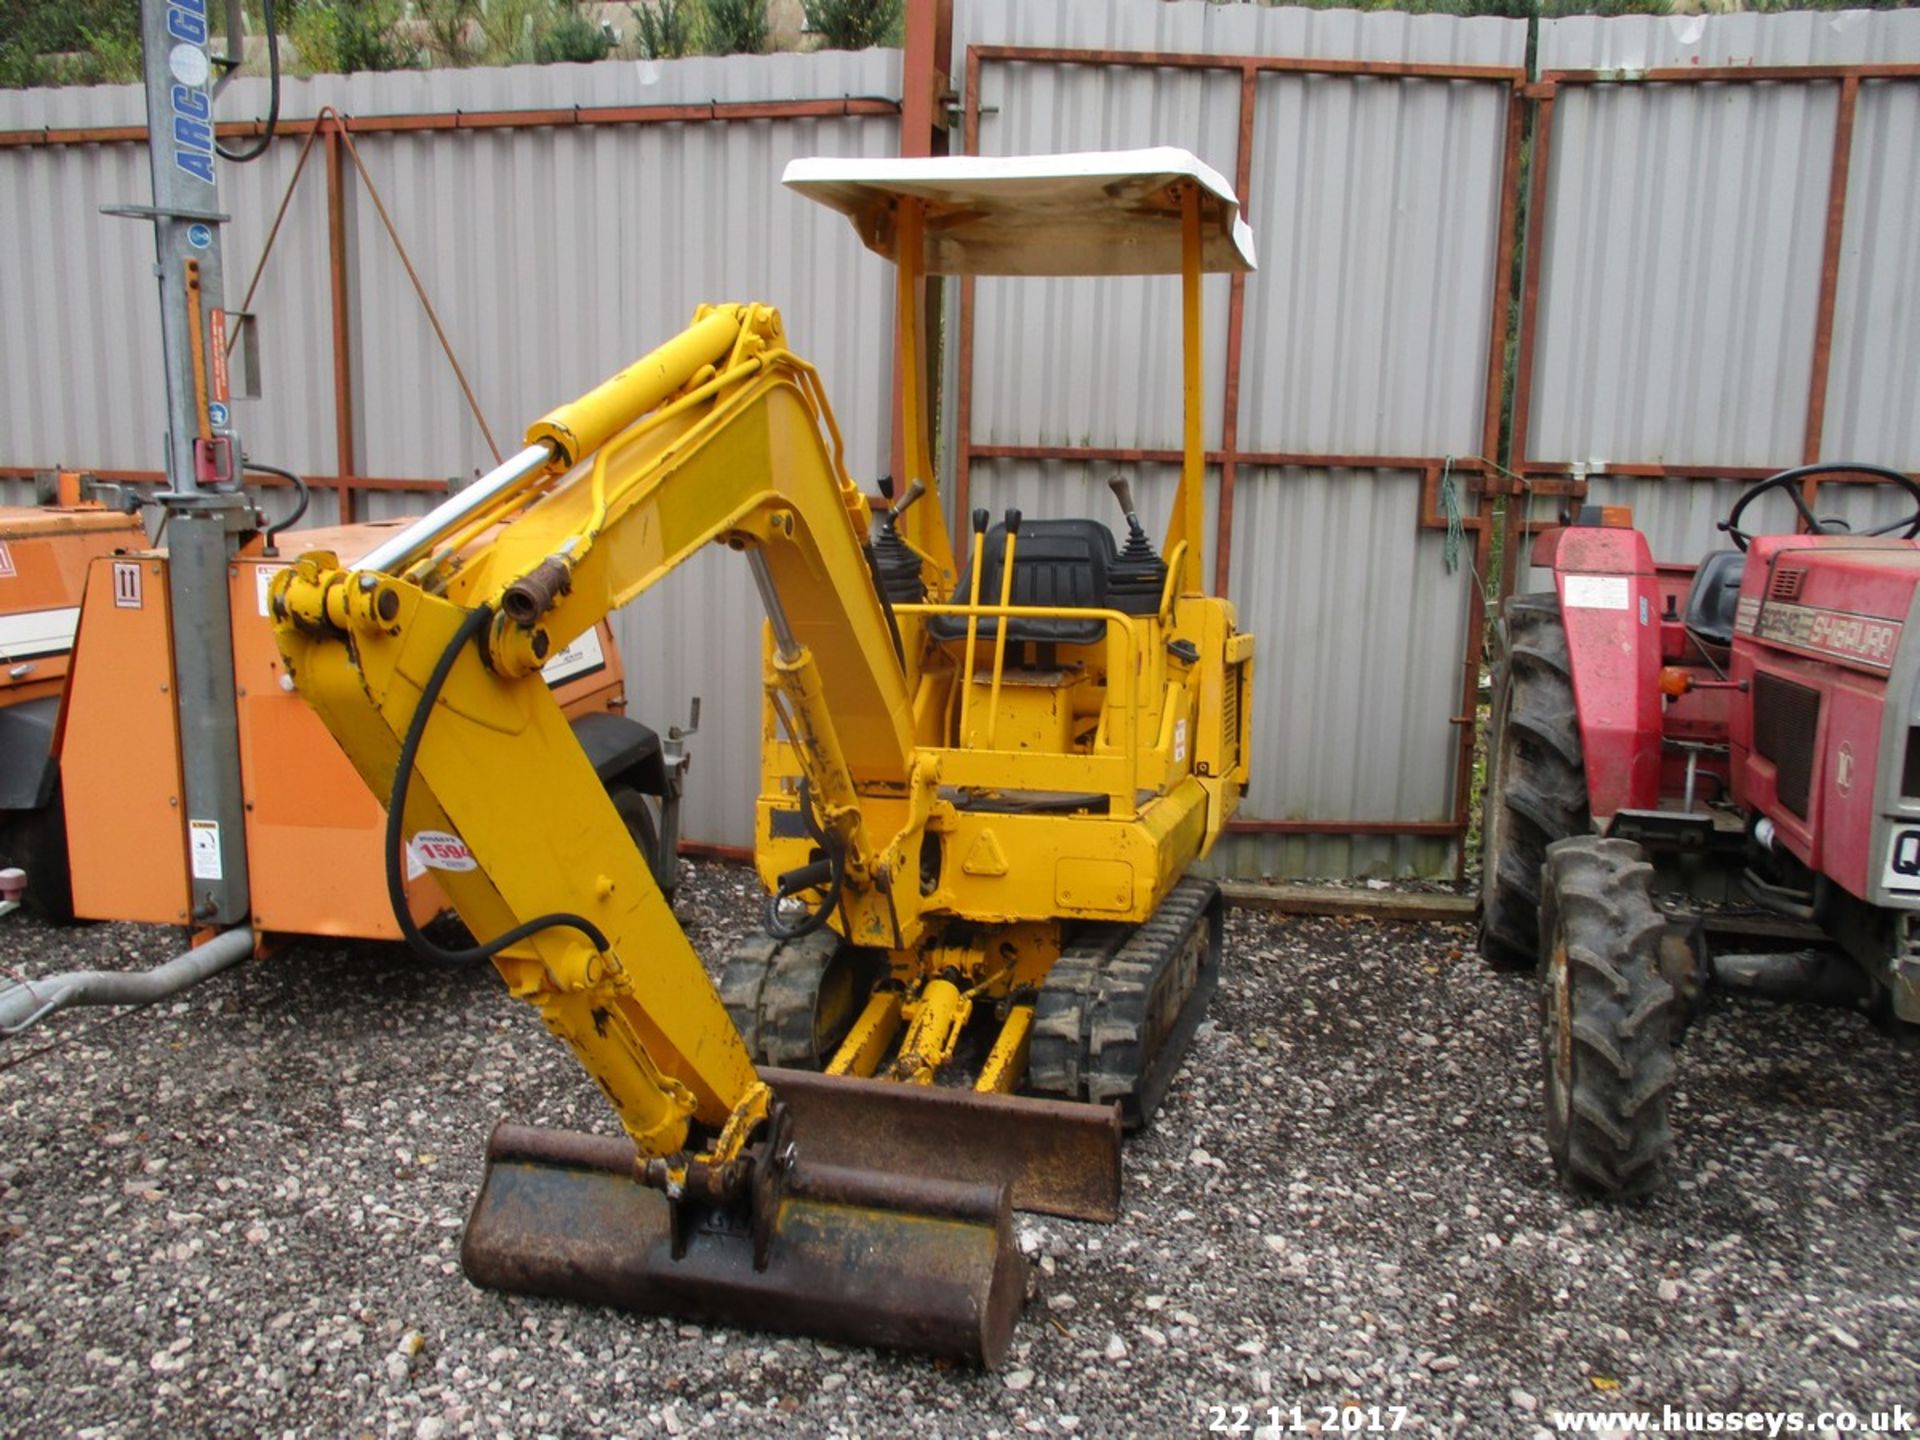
(1119, 665)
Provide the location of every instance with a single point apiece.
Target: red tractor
(1745, 731)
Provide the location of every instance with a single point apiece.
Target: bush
(664, 30)
(77, 42)
(112, 57)
(854, 24)
(342, 36)
(570, 37)
(734, 27)
(450, 29)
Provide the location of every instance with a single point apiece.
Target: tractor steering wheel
(1789, 480)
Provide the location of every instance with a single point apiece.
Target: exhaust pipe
(25, 1005)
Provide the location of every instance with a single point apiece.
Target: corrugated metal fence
(1715, 278)
(574, 220)
(1722, 276)
(1373, 154)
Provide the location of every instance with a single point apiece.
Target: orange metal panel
(44, 554)
(120, 753)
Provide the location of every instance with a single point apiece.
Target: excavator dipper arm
(424, 663)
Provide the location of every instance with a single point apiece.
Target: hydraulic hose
(240, 157)
(834, 880)
(300, 505)
(474, 625)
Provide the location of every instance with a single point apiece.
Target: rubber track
(1091, 1019)
(1537, 782)
(1618, 1137)
(771, 989)
(1056, 1054)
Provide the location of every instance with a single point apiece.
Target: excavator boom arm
(721, 435)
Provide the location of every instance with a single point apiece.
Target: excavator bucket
(893, 1228)
(856, 1256)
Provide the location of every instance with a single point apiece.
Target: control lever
(906, 501)
(1139, 550)
(692, 727)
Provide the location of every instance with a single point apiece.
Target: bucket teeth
(857, 1256)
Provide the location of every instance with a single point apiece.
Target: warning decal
(219, 327)
(203, 847)
(1596, 592)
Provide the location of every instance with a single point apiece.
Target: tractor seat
(1715, 596)
(1061, 563)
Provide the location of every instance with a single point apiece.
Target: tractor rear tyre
(1536, 789)
(1606, 1019)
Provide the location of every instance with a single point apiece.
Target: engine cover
(1824, 648)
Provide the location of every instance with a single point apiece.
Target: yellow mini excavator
(983, 785)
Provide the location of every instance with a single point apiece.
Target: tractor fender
(1610, 605)
(28, 771)
(623, 749)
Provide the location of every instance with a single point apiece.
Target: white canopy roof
(1098, 213)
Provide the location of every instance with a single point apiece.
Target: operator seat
(1715, 596)
(1056, 563)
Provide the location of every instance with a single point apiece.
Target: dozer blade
(858, 1256)
(1058, 1157)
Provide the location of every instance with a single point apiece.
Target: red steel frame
(1230, 458)
(1559, 477)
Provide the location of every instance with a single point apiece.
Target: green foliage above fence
(733, 27)
(343, 36)
(664, 30)
(855, 24)
(95, 42)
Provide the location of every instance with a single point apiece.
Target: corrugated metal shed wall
(1871, 392)
(554, 256)
(1683, 251)
(1374, 205)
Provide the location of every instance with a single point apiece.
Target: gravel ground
(240, 1215)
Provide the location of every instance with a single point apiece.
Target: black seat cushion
(1056, 563)
(1715, 596)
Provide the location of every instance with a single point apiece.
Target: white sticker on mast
(203, 847)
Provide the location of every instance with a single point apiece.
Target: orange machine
(44, 555)
(134, 854)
